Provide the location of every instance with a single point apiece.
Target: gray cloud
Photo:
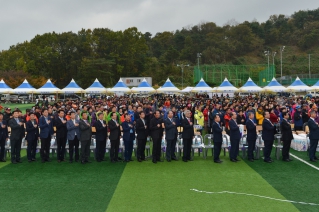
(21, 20)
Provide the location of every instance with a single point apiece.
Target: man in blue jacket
(46, 131)
(218, 138)
(73, 136)
(32, 129)
(128, 137)
(313, 136)
(251, 135)
(234, 138)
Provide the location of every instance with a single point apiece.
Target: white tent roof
(187, 90)
(48, 87)
(202, 87)
(168, 88)
(226, 86)
(143, 87)
(25, 87)
(72, 87)
(4, 88)
(96, 87)
(120, 87)
(298, 86)
(250, 87)
(274, 86)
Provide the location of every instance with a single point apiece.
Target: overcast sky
(21, 20)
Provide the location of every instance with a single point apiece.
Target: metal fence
(236, 74)
(306, 78)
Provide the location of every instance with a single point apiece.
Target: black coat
(32, 132)
(286, 131)
(4, 131)
(115, 131)
(156, 131)
(234, 130)
(170, 129)
(251, 130)
(268, 133)
(86, 131)
(61, 129)
(16, 129)
(140, 129)
(188, 130)
(101, 132)
(217, 132)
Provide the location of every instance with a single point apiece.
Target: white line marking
(309, 164)
(265, 197)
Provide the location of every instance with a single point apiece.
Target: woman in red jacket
(273, 117)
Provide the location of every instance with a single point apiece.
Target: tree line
(108, 55)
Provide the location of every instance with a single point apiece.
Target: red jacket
(205, 113)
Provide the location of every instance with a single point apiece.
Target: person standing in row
(86, 134)
(128, 137)
(32, 137)
(187, 135)
(17, 128)
(46, 131)
(156, 134)
(115, 134)
(268, 137)
(3, 137)
(313, 136)
(100, 136)
(286, 137)
(61, 135)
(218, 138)
(234, 138)
(251, 136)
(73, 137)
(171, 136)
(142, 133)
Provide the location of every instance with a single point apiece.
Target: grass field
(163, 186)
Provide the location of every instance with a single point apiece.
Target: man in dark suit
(73, 137)
(268, 137)
(234, 137)
(3, 137)
(156, 134)
(218, 138)
(115, 134)
(61, 135)
(86, 134)
(286, 136)
(46, 131)
(142, 132)
(17, 127)
(313, 136)
(128, 137)
(32, 137)
(170, 136)
(100, 136)
(187, 135)
(251, 135)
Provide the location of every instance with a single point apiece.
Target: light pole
(273, 61)
(267, 55)
(182, 67)
(198, 56)
(281, 50)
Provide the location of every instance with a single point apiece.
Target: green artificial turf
(294, 180)
(22, 107)
(166, 187)
(58, 186)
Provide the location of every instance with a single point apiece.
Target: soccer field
(173, 186)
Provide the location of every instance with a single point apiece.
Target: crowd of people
(137, 118)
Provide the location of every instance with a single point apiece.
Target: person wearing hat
(7, 115)
(298, 119)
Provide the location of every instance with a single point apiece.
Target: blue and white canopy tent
(4, 88)
(96, 87)
(143, 88)
(187, 89)
(298, 86)
(25, 88)
(202, 87)
(315, 87)
(250, 87)
(48, 87)
(168, 88)
(120, 88)
(226, 87)
(72, 87)
(274, 86)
